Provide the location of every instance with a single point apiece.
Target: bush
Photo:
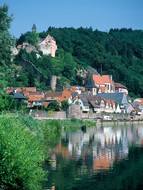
(20, 155)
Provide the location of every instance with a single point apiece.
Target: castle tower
(34, 28)
(53, 82)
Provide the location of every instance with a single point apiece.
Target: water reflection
(92, 154)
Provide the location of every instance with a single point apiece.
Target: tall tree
(6, 40)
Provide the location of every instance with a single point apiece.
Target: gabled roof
(60, 96)
(118, 85)
(140, 99)
(53, 94)
(17, 95)
(85, 102)
(21, 89)
(118, 98)
(74, 87)
(90, 83)
(140, 103)
(94, 104)
(101, 80)
(36, 97)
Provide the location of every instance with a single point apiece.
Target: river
(102, 158)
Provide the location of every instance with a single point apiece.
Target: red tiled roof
(101, 80)
(19, 46)
(73, 90)
(25, 44)
(51, 94)
(66, 94)
(36, 97)
(74, 87)
(20, 89)
(118, 85)
(140, 103)
(60, 96)
(141, 99)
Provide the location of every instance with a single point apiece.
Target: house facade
(120, 100)
(119, 88)
(100, 84)
(48, 45)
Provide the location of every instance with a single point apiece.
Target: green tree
(32, 38)
(69, 67)
(54, 105)
(6, 40)
(64, 105)
(7, 102)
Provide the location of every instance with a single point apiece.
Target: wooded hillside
(118, 52)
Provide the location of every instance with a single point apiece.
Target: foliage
(6, 41)
(54, 105)
(32, 38)
(119, 52)
(64, 105)
(20, 155)
(6, 102)
(23, 147)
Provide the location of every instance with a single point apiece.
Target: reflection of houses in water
(97, 149)
(104, 161)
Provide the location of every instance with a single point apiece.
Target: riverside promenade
(118, 122)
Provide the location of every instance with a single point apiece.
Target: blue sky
(99, 14)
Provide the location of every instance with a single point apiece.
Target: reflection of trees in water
(126, 174)
(111, 162)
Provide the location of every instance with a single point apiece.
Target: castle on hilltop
(48, 45)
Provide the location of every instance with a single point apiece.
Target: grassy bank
(74, 124)
(23, 148)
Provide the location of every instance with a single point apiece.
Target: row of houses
(109, 103)
(99, 95)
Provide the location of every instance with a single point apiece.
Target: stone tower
(53, 82)
(34, 28)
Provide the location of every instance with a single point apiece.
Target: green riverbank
(24, 147)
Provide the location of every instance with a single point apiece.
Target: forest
(118, 52)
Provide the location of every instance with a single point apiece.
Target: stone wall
(49, 115)
(74, 111)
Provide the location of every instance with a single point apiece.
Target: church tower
(34, 28)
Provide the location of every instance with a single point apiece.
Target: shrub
(20, 155)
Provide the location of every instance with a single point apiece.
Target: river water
(102, 158)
